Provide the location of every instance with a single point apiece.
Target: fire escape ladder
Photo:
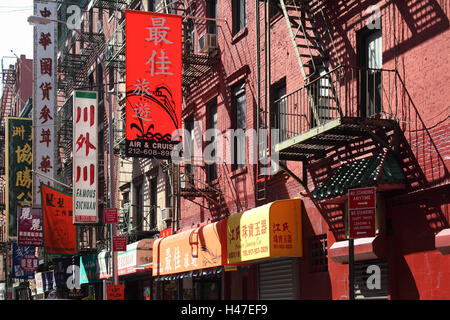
(310, 54)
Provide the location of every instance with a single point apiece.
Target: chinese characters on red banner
(44, 100)
(60, 234)
(153, 80)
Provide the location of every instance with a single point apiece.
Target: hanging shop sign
(44, 99)
(89, 269)
(45, 281)
(85, 157)
(30, 231)
(110, 215)
(19, 158)
(153, 83)
(60, 234)
(199, 248)
(24, 262)
(104, 262)
(120, 243)
(137, 254)
(361, 212)
(269, 231)
(115, 292)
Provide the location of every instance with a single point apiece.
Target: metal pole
(351, 268)
(111, 179)
(6, 267)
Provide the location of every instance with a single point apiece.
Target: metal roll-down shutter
(278, 280)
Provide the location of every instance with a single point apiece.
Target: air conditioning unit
(166, 214)
(207, 43)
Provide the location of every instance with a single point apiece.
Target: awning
(138, 253)
(369, 248)
(199, 248)
(273, 230)
(442, 241)
(381, 170)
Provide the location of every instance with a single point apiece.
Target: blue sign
(20, 254)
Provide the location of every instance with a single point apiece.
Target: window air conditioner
(166, 214)
(207, 42)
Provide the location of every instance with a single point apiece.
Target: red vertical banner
(60, 234)
(153, 83)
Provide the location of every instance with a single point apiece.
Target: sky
(15, 32)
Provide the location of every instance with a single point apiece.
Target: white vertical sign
(85, 157)
(44, 99)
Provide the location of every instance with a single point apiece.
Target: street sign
(110, 215)
(115, 292)
(361, 212)
(120, 243)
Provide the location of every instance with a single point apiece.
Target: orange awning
(273, 230)
(199, 248)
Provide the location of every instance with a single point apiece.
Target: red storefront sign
(115, 292)
(361, 212)
(120, 243)
(165, 233)
(110, 215)
(153, 81)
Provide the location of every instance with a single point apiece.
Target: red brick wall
(416, 40)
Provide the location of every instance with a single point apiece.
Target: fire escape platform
(335, 132)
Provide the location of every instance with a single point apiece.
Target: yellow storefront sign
(269, 231)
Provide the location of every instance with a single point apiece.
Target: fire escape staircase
(326, 115)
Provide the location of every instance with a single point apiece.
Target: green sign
(88, 269)
(19, 158)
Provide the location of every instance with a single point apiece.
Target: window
(153, 202)
(150, 5)
(135, 5)
(111, 78)
(160, 6)
(189, 150)
(211, 123)
(238, 145)
(370, 55)
(91, 81)
(321, 91)
(211, 13)
(100, 81)
(278, 118)
(138, 204)
(319, 253)
(91, 20)
(239, 8)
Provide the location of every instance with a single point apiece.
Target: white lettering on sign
(73, 282)
(374, 280)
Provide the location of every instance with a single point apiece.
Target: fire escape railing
(350, 92)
